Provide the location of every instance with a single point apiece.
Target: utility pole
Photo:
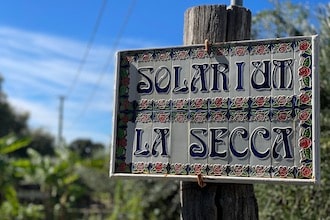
(60, 121)
(224, 201)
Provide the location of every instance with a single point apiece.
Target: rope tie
(200, 181)
(207, 45)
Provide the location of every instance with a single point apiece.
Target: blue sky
(43, 43)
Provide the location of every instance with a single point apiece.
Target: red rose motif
(218, 116)
(125, 103)
(179, 104)
(158, 167)
(177, 168)
(260, 170)
(163, 56)
(124, 118)
(180, 117)
(217, 169)
(198, 103)
(281, 100)
(162, 117)
(261, 49)
(122, 142)
(260, 116)
(240, 51)
(304, 71)
(183, 54)
(305, 143)
(239, 116)
(304, 115)
(144, 117)
(200, 54)
(140, 167)
(304, 45)
(306, 171)
(198, 169)
(125, 81)
(144, 103)
(283, 48)
(239, 101)
(218, 102)
(161, 103)
(282, 116)
(260, 101)
(122, 166)
(238, 169)
(200, 117)
(283, 171)
(146, 57)
(304, 98)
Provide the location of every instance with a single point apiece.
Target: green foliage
(145, 199)
(127, 201)
(85, 147)
(297, 202)
(57, 177)
(8, 195)
(324, 18)
(300, 201)
(24, 212)
(285, 19)
(11, 121)
(10, 144)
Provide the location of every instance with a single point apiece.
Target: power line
(60, 122)
(110, 57)
(79, 70)
(88, 48)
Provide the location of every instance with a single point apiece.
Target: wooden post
(217, 23)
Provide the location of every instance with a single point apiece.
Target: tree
(85, 147)
(285, 19)
(41, 141)
(11, 121)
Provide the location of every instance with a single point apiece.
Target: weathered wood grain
(217, 23)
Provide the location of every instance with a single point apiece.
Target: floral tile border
(219, 109)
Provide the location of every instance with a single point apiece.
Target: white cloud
(37, 68)
(45, 115)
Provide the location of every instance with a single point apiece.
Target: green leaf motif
(307, 153)
(120, 151)
(123, 90)
(307, 133)
(121, 133)
(308, 51)
(308, 122)
(123, 73)
(307, 62)
(307, 81)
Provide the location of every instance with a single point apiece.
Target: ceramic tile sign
(241, 112)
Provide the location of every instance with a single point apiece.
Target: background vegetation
(41, 181)
(295, 201)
